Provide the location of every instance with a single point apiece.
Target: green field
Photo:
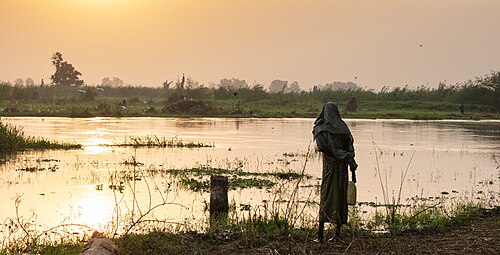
(480, 98)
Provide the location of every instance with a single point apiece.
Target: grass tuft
(12, 139)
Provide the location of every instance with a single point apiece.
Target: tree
(233, 83)
(65, 73)
(112, 82)
(491, 82)
(278, 86)
(293, 87)
(29, 82)
(19, 82)
(338, 85)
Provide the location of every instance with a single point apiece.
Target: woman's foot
(336, 238)
(318, 240)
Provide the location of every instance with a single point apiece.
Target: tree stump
(219, 205)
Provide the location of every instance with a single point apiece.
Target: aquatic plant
(13, 139)
(162, 142)
(234, 183)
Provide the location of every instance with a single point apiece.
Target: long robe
(334, 139)
(333, 203)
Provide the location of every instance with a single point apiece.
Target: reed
(12, 139)
(161, 142)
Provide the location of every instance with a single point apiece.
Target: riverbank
(476, 234)
(239, 109)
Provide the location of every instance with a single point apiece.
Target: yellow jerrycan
(351, 193)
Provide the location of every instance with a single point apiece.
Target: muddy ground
(478, 236)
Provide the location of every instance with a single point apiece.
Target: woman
(335, 141)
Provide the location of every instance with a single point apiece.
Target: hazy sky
(145, 42)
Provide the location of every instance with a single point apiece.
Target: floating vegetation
(13, 139)
(48, 160)
(195, 178)
(118, 187)
(295, 154)
(195, 185)
(234, 183)
(207, 171)
(31, 169)
(240, 183)
(132, 162)
(161, 142)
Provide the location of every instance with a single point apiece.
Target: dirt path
(480, 236)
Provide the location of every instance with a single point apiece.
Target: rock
(99, 245)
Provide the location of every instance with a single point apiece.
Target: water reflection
(97, 145)
(93, 208)
(449, 156)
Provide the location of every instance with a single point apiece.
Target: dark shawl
(329, 122)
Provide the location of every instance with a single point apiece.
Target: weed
(12, 139)
(162, 142)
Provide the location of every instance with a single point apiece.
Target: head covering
(329, 120)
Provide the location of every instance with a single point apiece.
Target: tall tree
(19, 82)
(65, 73)
(278, 86)
(233, 83)
(112, 82)
(29, 82)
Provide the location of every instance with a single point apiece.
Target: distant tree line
(482, 91)
(67, 84)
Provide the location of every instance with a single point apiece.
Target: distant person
(335, 141)
(462, 108)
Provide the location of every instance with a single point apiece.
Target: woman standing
(335, 141)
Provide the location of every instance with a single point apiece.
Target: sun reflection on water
(96, 145)
(95, 208)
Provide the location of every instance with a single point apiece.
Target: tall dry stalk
(391, 206)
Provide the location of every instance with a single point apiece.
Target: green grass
(12, 139)
(161, 142)
(207, 171)
(424, 110)
(234, 183)
(195, 178)
(480, 98)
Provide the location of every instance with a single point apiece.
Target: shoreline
(443, 116)
(476, 233)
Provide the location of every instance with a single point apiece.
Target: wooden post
(219, 205)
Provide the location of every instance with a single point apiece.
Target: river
(426, 159)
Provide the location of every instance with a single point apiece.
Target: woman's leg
(337, 228)
(321, 228)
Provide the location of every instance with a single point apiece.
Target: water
(456, 157)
